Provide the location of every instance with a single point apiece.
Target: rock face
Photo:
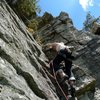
(86, 50)
(21, 60)
(45, 19)
(58, 29)
(22, 76)
(96, 28)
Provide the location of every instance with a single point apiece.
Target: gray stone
(22, 76)
(86, 51)
(22, 62)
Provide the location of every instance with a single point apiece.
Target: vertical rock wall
(86, 50)
(21, 73)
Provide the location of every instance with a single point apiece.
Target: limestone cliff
(86, 50)
(21, 60)
(22, 76)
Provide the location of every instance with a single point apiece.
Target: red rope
(59, 84)
(54, 77)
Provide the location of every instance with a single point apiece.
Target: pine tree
(88, 24)
(25, 8)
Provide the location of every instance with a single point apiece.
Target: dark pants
(63, 55)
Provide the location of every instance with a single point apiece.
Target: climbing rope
(54, 77)
(59, 85)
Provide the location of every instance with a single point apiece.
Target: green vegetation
(38, 22)
(38, 38)
(89, 22)
(33, 24)
(26, 9)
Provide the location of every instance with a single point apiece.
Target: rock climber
(64, 54)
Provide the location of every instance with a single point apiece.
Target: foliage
(90, 20)
(39, 22)
(45, 19)
(33, 24)
(30, 30)
(25, 8)
(37, 37)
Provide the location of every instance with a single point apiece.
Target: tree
(88, 23)
(25, 8)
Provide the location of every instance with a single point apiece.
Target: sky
(77, 9)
